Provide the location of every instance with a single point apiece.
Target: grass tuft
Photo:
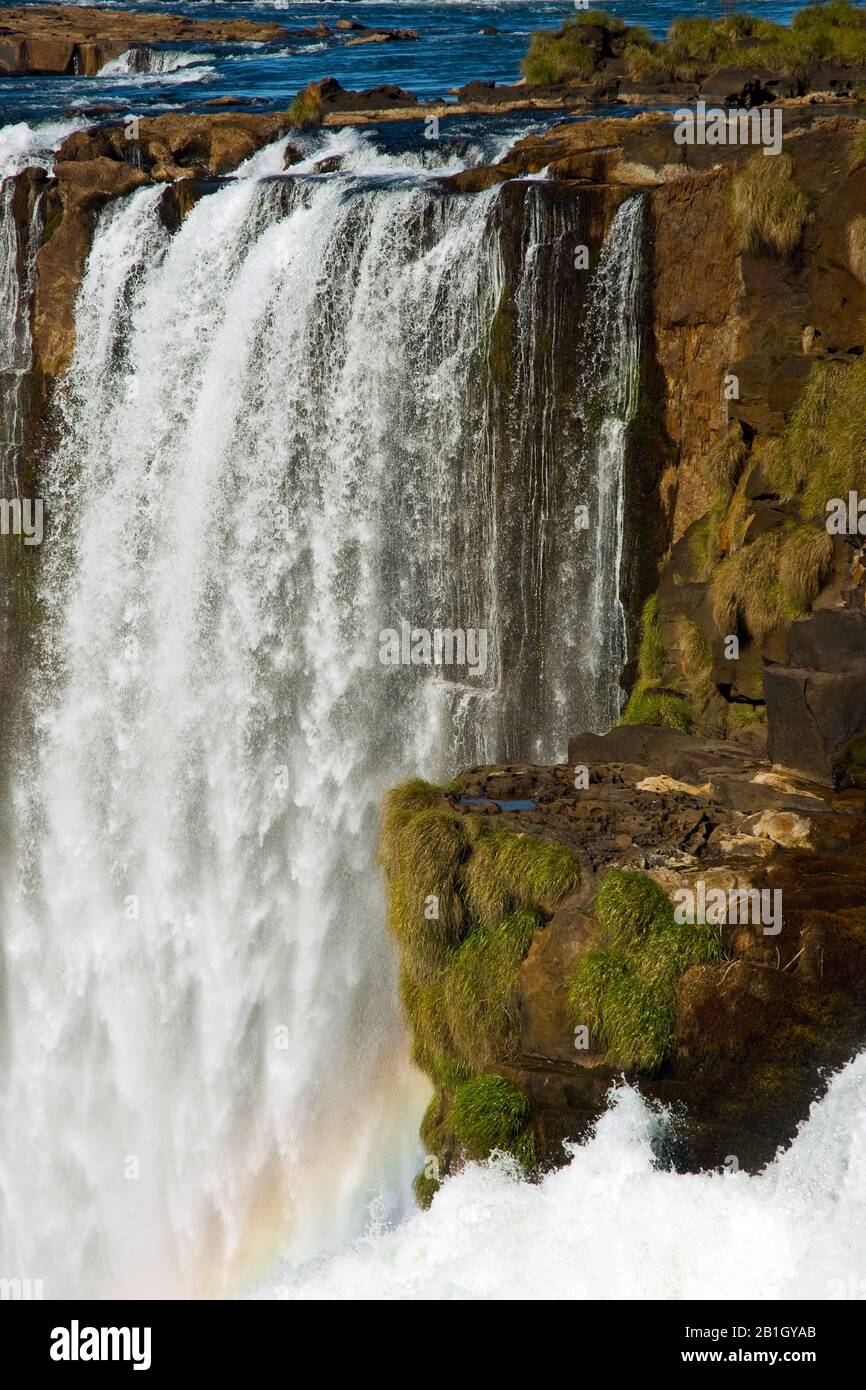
(625, 989)
(489, 1113)
(508, 872)
(725, 461)
(554, 58)
(823, 451)
(857, 248)
(459, 970)
(660, 709)
(425, 1189)
(768, 207)
(645, 705)
(834, 32)
(306, 109)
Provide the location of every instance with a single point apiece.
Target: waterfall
(278, 439)
(152, 61)
(610, 389)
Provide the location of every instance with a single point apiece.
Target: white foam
(611, 1225)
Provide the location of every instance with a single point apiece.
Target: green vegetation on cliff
(489, 1113)
(766, 585)
(562, 57)
(647, 705)
(624, 990)
(834, 32)
(769, 208)
(821, 454)
(465, 899)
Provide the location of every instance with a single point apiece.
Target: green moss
(850, 763)
(425, 1189)
(491, 890)
(489, 1113)
(624, 991)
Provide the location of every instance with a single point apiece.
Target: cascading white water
(155, 62)
(275, 443)
(613, 1225)
(612, 345)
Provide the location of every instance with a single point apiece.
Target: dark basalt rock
(817, 703)
(747, 87)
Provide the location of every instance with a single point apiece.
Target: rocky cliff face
(755, 432)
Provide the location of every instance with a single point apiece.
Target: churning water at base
(276, 441)
(611, 1225)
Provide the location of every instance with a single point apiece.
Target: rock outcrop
(45, 40)
(745, 1033)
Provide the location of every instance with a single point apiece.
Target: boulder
(811, 716)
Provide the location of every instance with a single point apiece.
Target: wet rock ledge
(46, 40)
(533, 908)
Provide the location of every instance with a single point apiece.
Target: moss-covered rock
(624, 990)
(465, 900)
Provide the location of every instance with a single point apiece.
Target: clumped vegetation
(491, 1113)
(822, 453)
(306, 109)
(424, 1187)
(726, 460)
(857, 247)
(833, 32)
(850, 764)
(647, 705)
(768, 206)
(697, 661)
(746, 716)
(465, 900)
(772, 581)
(624, 990)
(562, 57)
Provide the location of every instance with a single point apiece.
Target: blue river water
(451, 49)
